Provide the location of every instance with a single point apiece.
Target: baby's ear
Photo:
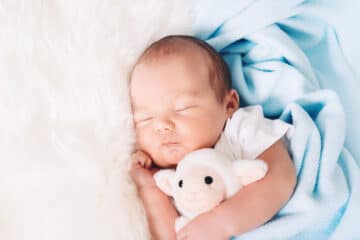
(250, 170)
(232, 102)
(163, 179)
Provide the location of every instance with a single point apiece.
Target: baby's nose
(165, 126)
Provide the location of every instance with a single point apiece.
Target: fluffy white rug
(65, 124)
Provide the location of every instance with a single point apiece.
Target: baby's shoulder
(248, 132)
(245, 119)
(248, 112)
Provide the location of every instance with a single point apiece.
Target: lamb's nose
(192, 195)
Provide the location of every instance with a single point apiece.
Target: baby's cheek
(143, 139)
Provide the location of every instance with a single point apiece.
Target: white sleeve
(249, 133)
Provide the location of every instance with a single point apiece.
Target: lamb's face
(197, 190)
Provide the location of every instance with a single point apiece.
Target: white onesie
(248, 133)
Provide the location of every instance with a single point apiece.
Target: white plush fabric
(65, 125)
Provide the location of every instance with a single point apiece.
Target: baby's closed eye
(142, 118)
(145, 119)
(184, 108)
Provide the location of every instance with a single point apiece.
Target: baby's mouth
(171, 146)
(169, 143)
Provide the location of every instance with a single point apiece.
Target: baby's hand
(142, 159)
(205, 226)
(141, 170)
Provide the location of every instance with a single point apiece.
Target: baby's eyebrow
(139, 107)
(187, 93)
(139, 116)
(143, 109)
(140, 111)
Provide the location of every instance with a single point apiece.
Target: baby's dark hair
(220, 78)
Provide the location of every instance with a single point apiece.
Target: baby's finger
(147, 163)
(134, 165)
(143, 159)
(138, 158)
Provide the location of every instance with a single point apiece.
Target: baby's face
(175, 108)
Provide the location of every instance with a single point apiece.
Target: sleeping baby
(182, 101)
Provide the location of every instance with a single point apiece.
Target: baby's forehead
(158, 60)
(196, 53)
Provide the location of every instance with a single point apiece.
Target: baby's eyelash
(183, 108)
(145, 119)
(142, 120)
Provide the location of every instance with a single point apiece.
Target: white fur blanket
(65, 124)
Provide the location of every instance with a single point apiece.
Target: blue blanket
(299, 60)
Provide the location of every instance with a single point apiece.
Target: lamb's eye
(208, 180)
(180, 183)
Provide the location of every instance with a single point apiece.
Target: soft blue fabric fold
(289, 56)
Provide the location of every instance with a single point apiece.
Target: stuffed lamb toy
(205, 178)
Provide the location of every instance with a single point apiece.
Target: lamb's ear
(163, 179)
(249, 170)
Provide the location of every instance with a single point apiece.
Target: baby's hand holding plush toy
(205, 178)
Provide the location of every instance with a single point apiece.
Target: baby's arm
(254, 204)
(160, 212)
(257, 203)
